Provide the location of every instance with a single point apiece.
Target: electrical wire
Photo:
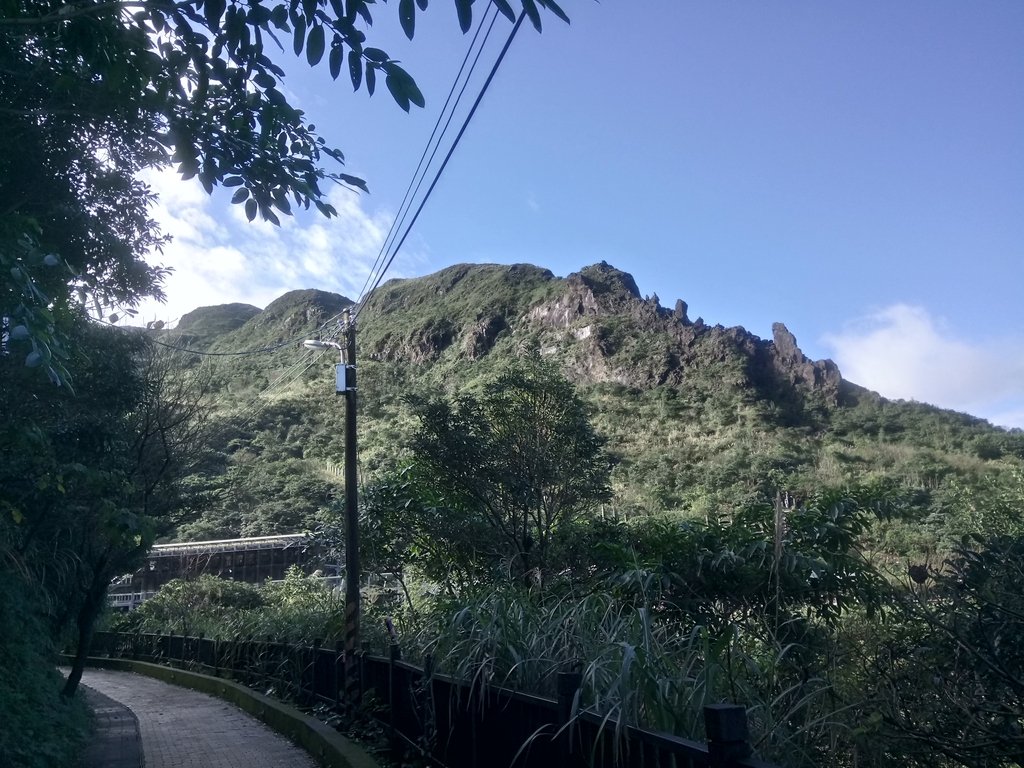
(290, 375)
(276, 383)
(253, 408)
(291, 380)
(451, 151)
(448, 122)
(403, 209)
(260, 351)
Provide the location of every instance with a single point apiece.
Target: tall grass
(637, 668)
(641, 664)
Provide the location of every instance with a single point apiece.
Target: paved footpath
(181, 728)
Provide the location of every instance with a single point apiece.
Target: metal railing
(442, 720)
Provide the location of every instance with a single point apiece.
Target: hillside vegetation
(699, 419)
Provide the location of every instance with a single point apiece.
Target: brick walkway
(116, 742)
(181, 728)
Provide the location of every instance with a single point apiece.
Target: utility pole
(351, 514)
(346, 385)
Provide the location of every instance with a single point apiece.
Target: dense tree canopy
(90, 479)
(495, 477)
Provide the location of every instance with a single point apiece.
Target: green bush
(198, 606)
(38, 728)
(298, 609)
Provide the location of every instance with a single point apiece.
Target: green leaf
(335, 59)
(371, 80)
(355, 71)
(240, 195)
(214, 10)
(376, 54)
(258, 15)
(354, 181)
(299, 38)
(531, 10)
(407, 16)
(465, 10)
(552, 6)
(339, 10)
(396, 86)
(282, 204)
(505, 9)
(188, 168)
(250, 209)
(413, 91)
(315, 45)
(422, 4)
(264, 80)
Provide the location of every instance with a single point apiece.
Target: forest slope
(700, 419)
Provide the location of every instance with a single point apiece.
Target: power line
(410, 192)
(251, 409)
(444, 164)
(275, 383)
(291, 380)
(260, 351)
(289, 375)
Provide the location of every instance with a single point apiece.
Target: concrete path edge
(323, 743)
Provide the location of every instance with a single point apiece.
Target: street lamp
(346, 385)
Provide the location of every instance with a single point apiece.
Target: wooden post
(352, 607)
(728, 736)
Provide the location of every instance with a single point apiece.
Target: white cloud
(219, 257)
(904, 352)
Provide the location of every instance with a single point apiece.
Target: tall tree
(92, 477)
(498, 474)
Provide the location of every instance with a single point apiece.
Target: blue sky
(853, 169)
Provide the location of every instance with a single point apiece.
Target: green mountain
(699, 418)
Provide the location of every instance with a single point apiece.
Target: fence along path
(450, 722)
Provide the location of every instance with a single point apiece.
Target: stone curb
(328, 747)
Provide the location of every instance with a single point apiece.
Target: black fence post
(567, 686)
(364, 651)
(394, 654)
(427, 711)
(728, 736)
(336, 679)
(312, 677)
(268, 666)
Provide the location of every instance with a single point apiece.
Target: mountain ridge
(557, 308)
(696, 417)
